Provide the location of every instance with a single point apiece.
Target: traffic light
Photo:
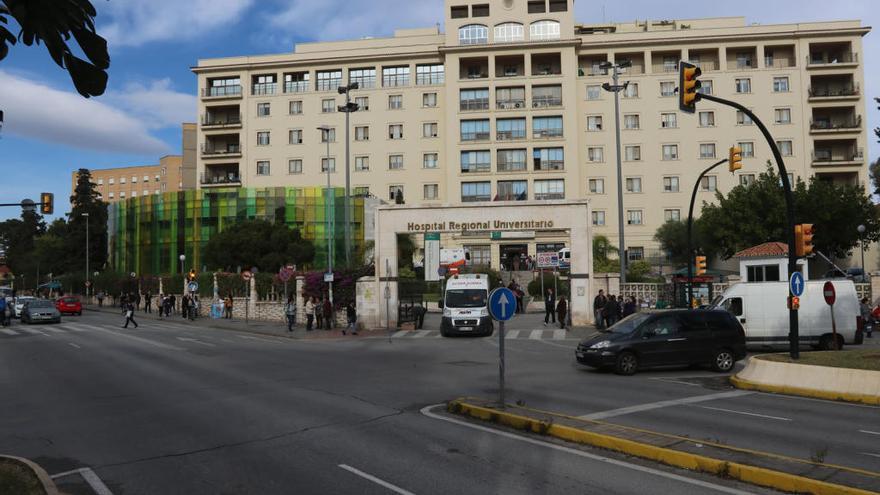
(192, 275)
(688, 86)
(47, 203)
(807, 243)
(735, 160)
(794, 302)
(701, 265)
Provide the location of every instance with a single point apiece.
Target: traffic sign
(502, 304)
(796, 284)
(328, 277)
(246, 275)
(829, 293)
(285, 273)
(193, 286)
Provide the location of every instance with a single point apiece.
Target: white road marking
(536, 334)
(421, 333)
(778, 418)
(644, 469)
(139, 339)
(870, 432)
(8, 331)
(77, 327)
(195, 341)
(54, 330)
(380, 482)
(71, 344)
(664, 403)
(511, 334)
(824, 401)
(90, 477)
(261, 339)
(33, 331)
(870, 454)
(558, 334)
(399, 334)
(670, 380)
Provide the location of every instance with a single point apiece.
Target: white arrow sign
(503, 302)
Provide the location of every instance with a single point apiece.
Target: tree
(602, 247)
(52, 23)
(85, 200)
(257, 243)
(17, 238)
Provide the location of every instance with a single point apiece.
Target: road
(173, 407)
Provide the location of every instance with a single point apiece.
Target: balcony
(473, 105)
(259, 89)
(220, 177)
(832, 93)
(512, 166)
(546, 101)
(778, 63)
(476, 168)
(510, 66)
(475, 136)
(832, 156)
(296, 86)
(546, 64)
(510, 135)
(473, 68)
(510, 104)
(555, 133)
(220, 92)
(221, 121)
(831, 125)
(663, 62)
(221, 150)
(546, 165)
(829, 60)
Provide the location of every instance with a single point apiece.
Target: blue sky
(50, 130)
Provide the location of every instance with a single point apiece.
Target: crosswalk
(21, 329)
(508, 335)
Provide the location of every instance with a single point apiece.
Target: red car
(69, 305)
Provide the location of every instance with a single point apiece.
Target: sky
(50, 131)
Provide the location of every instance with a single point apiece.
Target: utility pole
(86, 215)
(348, 109)
(325, 129)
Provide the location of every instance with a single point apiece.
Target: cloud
(136, 22)
(34, 110)
(157, 104)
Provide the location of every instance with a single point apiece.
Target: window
(598, 218)
(594, 92)
(361, 191)
(544, 30)
(631, 122)
(480, 255)
(122, 180)
(112, 194)
(748, 149)
(394, 192)
(365, 78)
(707, 150)
(667, 88)
(785, 147)
(430, 74)
(512, 190)
(595, 154)
(705, 87)
(673, 215)
(780, 85)
(295, 136)
(395, 162)
(509, 32)
(263, 109)
(122, 195)
(263, 138)
(395, 76)
(670, 152)
(550, 189)
(558, 6)
(328, 136)
(363, 103)
(596, 186)
(594, 123)
(743, 119)
(511, 160)
(537, 6)
(549, 159)
(362, 133)
(134, 179)
(473, 99)
(744, 85)
(546, 127)
(395, 102)
(477, 130)
(395, 131)
(511, 98)
(670, 184)
(481, 10)
(223, 87)
(631, 91)
(294, 166)
(297, 82)
(111, 181)
(100, 182)
(746, 179)
(507, 129)
(635, 253)
(472, 192)
(296, 107)
(709, 183)
(476, 161)
(157, 179)
(361, 163)
(262, 168)
(265, 84)
(328, 105)
(473, 34)
(328, 164)
(458, 12)
(632, 153)
(633, 184)
(634, 217)
(328, 80)
(429, 100)
(761, 273)
(429, 160)
(707, 119)
(546, 96)
(429, 130)
(782, 115)
(668, 121)
(431, 191)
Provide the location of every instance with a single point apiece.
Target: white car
(19, 305)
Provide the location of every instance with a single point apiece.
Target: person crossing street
(129, 315)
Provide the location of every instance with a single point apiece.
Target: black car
(667, 338)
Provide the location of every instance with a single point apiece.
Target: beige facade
(508, 105)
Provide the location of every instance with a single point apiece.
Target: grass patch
(18, 479)
(863, 359)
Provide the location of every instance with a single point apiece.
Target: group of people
(514, 263)
(319, 315)
(520, 295)
(554, 309)
(610, 309)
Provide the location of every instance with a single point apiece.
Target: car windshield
(39, 303)
(466, 298)
(630, 323)
(70, 300)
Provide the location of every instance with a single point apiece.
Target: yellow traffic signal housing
(688, 86)
(47, 203)
(701, 265)
(192, 275)
(799, 240)
(808, 239)
(735, 159)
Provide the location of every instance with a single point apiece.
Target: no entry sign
(829, 293)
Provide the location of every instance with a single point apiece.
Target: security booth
(703, 288)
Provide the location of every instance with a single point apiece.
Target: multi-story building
(172, 173)
(508, 104)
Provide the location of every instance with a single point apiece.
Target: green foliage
(639, 271)
(672, 237)
(85, 201)
(534, 287)
(406, 246)
(17, 239)
(257, 243)
(231, 283)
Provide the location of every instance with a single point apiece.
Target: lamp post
(347, 109)
(325, 129)
(86, 216)
(616, 88)
(862, 229)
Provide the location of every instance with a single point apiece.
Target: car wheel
(723, 361)
(826, 343)
(627, 363)
(444, 333)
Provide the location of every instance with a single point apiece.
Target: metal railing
(832, 58)
(228, 178)
(512, 166)
(234, 90)
(264, 89)
(296, 86)
(475, 136)
(328, 84)
(633, 69)
(473, 105)
(547, 133)
(549, 195)
(707, 65)
(218, 120)
(510, 104)
(778, 63)
(476, 168)
(742, 64)
(217, 149)
(832, 92)
(509, 135)
(551, 165)
(395, 81)
(664, 68)
(429, 79)
(475, 198)
(832, 125)
(833, 156)
(546, 101)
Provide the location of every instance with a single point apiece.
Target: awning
(51, 286)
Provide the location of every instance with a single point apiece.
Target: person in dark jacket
(129, 315)
(599, 303)
(629, 307)
(328, 313)
(351, 316)
(549, 307)
(562, 311)
(610, 311)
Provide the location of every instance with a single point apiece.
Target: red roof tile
(766, 250)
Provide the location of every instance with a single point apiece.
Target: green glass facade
(149, 233)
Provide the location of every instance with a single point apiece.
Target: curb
(695, 462)
(871, 400)
(40, 473)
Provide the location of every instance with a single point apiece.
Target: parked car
(667, 338)
(69, 305)
(38, 310)
(19, 305)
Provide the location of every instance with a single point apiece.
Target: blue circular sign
(796, 284)
(502, 304)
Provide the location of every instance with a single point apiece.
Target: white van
(565, 258)
(465, 306)
(762, 310)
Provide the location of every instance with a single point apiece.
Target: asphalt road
(177, 408)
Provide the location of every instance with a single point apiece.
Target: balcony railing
(778, 62)
(328, 84)
(215, 179)
(221, 120)
(395, 81)
(832, 58)
(509, 104)
(551, 165)
(549, 195)
(429, 79)
(835, 156)
(743, 64)
(664, 68)
(706, 65)
(219, 91)
(546, 101)
(264, 89)
(475, 136)
(512, 166)
(219, 149)
(510, 135)
(547, 133)
(364, 82)
(634, 69)
(473, 105)
(476, 168)
(476, 198)
(832, 125)
(834, 92)
(296, 86)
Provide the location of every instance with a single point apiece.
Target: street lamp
(616, 88)
(182, 258)
(347, 109)
(86, 216)
(862, 229)
(325, 130)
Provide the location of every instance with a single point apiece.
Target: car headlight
(447, 312)
(484, 312)
(601, 345)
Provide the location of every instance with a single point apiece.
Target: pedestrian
(290, 313)
(549, 307)
(169, 305)
(310, 313)
(148, 303)
(629, 307)
(875, 317)
(351, 316)
(129, 315)
(610, 311)
(137, 300)
(866, 312)
(327, 309)
(194, 307)
(184, 306)
(100, 299)
(520, 299)
(562, 311)
(598, 304)
(3, 310)
(227, 307)
(173, 304)
(319, 313)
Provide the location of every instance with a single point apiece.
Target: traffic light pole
(691, 260)
(793, 333)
